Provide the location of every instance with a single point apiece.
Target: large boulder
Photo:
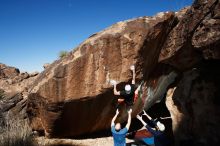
(195, 37)
(194, 106)
(193, 48)
(13, 94)
(73, 95)
(180, 51)
(13, 81)
(8, 72)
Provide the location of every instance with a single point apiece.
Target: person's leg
(135, 97)
(138, 92)
(131, 135)
(120, 100)
(129, 106)
(120, 104)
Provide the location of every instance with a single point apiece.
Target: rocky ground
(104, 141)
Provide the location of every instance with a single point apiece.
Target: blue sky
(33, 32)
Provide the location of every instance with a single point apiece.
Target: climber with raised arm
(119, 134)
(129, 93)
(156, 128)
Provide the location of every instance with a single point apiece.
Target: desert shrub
(16, 132)
(63, 54)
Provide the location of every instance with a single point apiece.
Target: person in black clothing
(157, 129)
(129, 93)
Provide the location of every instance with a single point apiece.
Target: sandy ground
(105, 141)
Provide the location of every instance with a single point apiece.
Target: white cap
(160, 126)
(127, 88)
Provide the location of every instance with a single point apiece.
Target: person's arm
(114, 118)
(151, 130)
(147, 115)
(147, 126)
(115, 90)
(129, 119)
(142, 121)
(133, 72)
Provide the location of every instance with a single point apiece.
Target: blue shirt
(119, 136)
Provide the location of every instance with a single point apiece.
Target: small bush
(63, 54)
(16, 132)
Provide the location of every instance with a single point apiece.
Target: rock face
(8, 72)
(194, 106)
(12, 81)
(195, 37)
(8, 104)
(73, 95)
(193, 48)
(176, 51)
(46, 65)
(13, 93)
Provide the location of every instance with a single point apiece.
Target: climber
(129, 93)
(118, 133)
(157, 129)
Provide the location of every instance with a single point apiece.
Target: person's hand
(132, 67)
(144, 113)
(117, 111)
(113, 82)
(138, 117)
(129, 112)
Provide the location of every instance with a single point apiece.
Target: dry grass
(15, 132)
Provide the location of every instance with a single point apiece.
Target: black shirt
(159, 136)
(129, 98)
